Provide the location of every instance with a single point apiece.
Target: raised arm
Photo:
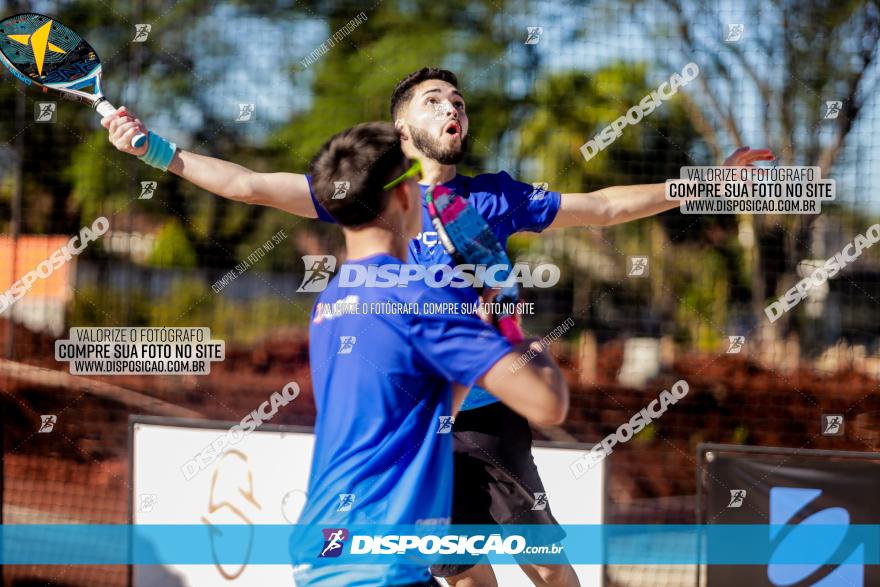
(619, 204)
(285, 191)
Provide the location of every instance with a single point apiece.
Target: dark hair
(403, 91)
(366, 156)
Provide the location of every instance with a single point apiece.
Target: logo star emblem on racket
(39, 43)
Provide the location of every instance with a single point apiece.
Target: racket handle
(509, 327)
(105, 108)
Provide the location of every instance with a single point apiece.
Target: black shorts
(495, 475)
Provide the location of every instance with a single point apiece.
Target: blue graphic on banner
(785, 504)
(791, 551)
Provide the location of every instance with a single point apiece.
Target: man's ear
(401, 192)
(401, 129)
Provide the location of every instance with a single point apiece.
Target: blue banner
(733, 544)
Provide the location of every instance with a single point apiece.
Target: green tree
(353, 82)
(571, 107)
(173, 249)
(795, 56)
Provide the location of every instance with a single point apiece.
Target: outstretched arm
(619, 204)
(285, 191)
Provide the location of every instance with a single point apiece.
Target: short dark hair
(366, 156)
(403, 91)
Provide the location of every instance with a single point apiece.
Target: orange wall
(33, 250)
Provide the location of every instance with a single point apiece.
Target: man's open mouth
(453, 128)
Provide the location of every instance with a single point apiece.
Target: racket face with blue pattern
(468, 239)
(43, 53)
(468, 234)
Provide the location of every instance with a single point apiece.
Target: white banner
(263, 479)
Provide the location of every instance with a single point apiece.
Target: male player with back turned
(380, 401)
(496, 478)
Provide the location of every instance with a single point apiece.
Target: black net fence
(638, 306)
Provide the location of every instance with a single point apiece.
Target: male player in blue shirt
(492, 443)
(383, 377)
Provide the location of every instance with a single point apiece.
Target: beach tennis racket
(43, 53)
(467, 238)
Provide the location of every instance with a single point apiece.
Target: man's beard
(432, 149)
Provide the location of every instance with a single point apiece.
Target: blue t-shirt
(382, 384)
(508, 206)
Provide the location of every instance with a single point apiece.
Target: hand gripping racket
(466, 236)
(43, 53)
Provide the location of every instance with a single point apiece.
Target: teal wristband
(159, 152)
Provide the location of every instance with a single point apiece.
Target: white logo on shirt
(429, 238)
